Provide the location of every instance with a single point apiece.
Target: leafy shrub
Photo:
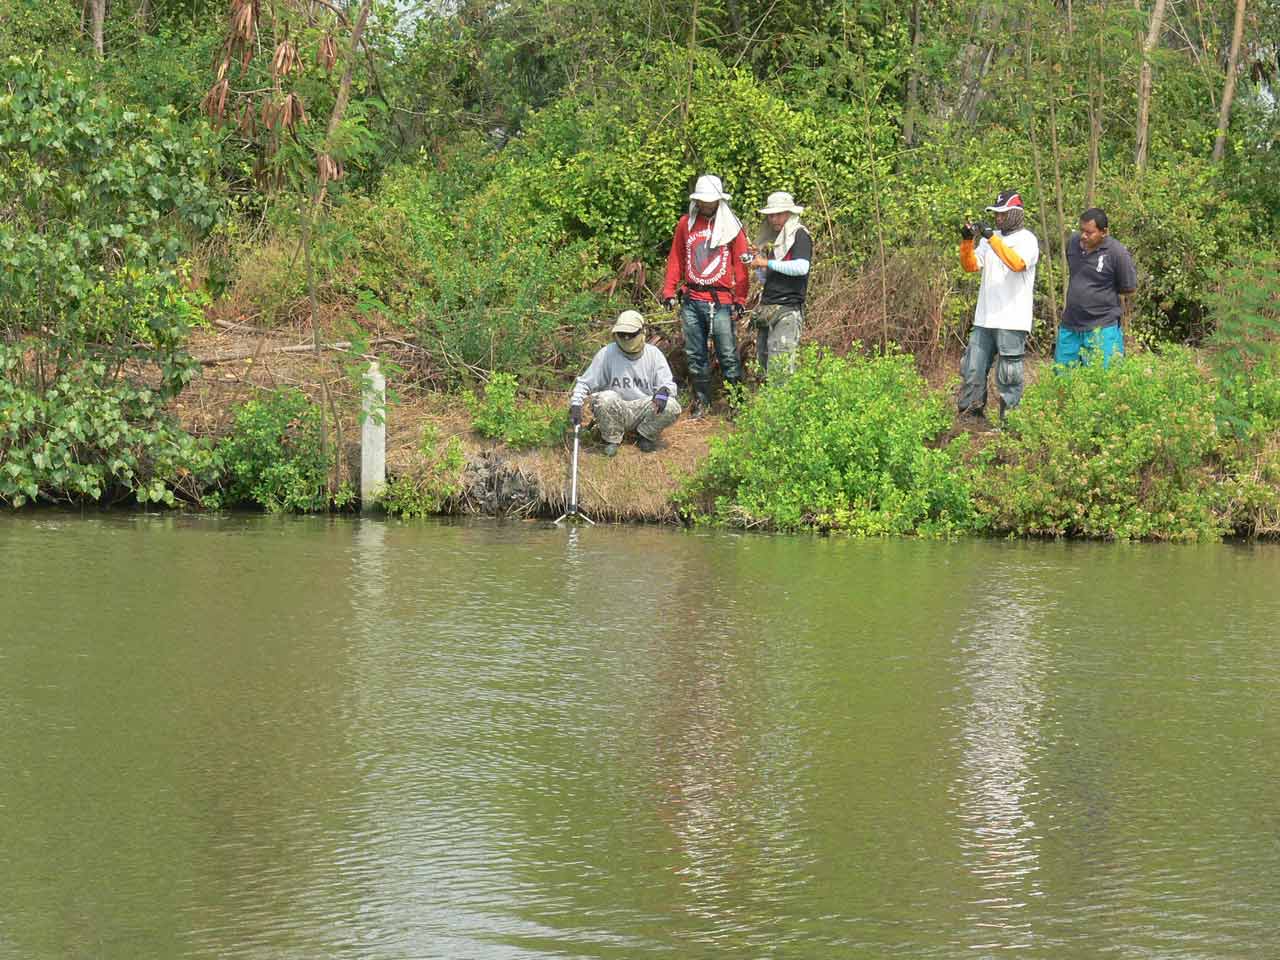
(1183, 229)
(274, 455)
(1125, 452)
(843, 444)
(1245, 346)
(437, 482)
(501, 415)
(87, 436)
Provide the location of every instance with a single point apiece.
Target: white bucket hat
(629, 321)
(709, 188)
(781, 202)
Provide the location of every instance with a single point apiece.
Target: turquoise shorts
(1079, 346)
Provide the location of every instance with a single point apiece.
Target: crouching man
(631, 388)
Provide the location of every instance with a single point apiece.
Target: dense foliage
(275, 456)
(844, 444)
(491, 180)
(1125, 452)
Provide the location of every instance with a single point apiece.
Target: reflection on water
(1003, 668)
(275, 737)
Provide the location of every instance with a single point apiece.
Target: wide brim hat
(709, 189)
(1008, 200)
(629, 322)
(781, 202)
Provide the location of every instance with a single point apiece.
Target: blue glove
(575, 414)
(660, 400)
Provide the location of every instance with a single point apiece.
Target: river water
(258, 737)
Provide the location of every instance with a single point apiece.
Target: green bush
(1184, 229)
(501, 415)
(87, 436)
(438, 481)
(843, 444)
(275, 456)
(1118, 453)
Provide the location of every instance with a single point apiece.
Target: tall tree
(1144, 85)
(98, 16)
(1229, 87)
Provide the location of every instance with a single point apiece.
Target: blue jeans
(988, 345)
(1078, 346)
(698, 321)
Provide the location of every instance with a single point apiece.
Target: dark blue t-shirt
(1097, 278)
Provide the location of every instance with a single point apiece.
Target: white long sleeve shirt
(611, 369)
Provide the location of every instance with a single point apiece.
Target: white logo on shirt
(1102, 259)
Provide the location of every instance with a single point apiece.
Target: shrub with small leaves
(502, 415)
(439, 480)
(275, 457)
(845, 443)
(1124, 452)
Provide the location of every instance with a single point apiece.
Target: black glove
(737, 311)
(669, 302)
(575, 414)
(966, 231)
(983, 228)
(660, 400)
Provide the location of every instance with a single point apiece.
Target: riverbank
(496, 479)
(237, 360)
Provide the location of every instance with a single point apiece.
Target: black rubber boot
(701, 400)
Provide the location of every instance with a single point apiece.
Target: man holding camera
(783, 254)
(630, 386)
(706, 257)
(1006, 255)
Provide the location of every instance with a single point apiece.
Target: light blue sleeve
(790, 268)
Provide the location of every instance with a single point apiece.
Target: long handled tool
(573, 510)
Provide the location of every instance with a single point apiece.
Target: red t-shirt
(693, 260)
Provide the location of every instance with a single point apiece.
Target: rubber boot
(701, 399)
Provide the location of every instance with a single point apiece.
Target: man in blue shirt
(1102, 280)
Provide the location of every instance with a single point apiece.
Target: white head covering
(780, 202)
(726, 224)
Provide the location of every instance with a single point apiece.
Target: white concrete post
(373, 439)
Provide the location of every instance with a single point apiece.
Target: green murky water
(264, 738)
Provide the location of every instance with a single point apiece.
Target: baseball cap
(1008, 200)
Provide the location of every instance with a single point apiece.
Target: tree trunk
(1057, 185)
(1034, 137)
(913, 79)
(313, 212)
(1144, 87)
(1229, 88)
(98, 13)
(1097, 92)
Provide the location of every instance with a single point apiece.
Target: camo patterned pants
(615, 416)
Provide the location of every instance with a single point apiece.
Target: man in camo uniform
(630, 386)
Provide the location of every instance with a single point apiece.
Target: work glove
(984, 228)
(660, 400)
(737, 311)
(575, 414)
(669, 302)
(966, 231)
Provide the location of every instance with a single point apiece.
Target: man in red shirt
(707, 258)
